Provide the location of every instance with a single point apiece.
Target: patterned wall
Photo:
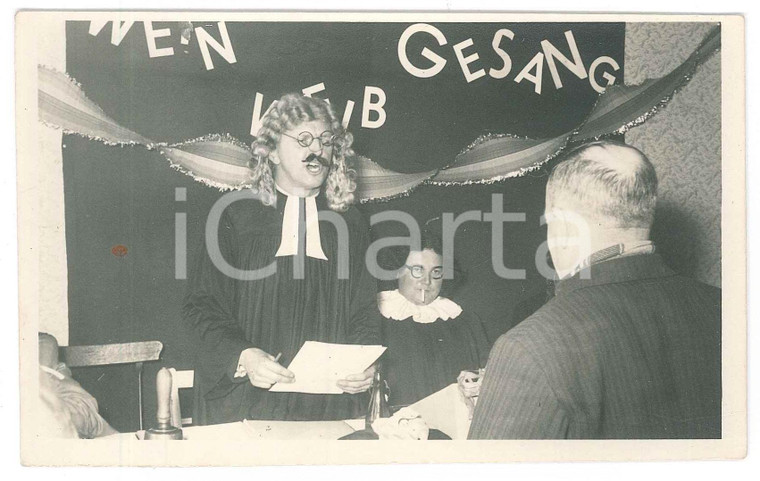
(683, 142)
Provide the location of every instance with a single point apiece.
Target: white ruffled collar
(394, 305)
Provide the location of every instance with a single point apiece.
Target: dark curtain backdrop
(126, 195)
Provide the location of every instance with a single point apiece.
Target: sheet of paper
(445, 411)
(256, 430)
(318, 366)
(356, 424)
(296, 430)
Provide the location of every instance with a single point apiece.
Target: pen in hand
(289, 376)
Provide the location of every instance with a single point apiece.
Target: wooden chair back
(107, 354)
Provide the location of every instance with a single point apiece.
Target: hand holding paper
(319, 367)
(262, 368)
(356, 383)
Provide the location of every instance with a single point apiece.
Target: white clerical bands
(300, 231)
(300, 228)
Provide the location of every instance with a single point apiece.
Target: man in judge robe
(627, 348)
(276, 275)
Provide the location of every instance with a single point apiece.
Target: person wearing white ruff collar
(250, 328)
(430, 338)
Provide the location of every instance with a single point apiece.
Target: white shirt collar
(288, 194)
(289, 237)
(624, 249)
(394, 305)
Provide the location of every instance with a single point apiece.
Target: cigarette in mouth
(422, 291)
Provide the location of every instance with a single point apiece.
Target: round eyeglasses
(418, 271)
(305, 139)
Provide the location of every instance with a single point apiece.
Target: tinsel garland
(223, 162)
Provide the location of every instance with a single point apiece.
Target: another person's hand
(406, 423)
(356, 383)
(262, 369)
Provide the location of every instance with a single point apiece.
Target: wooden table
(262, 430)
(443, 410)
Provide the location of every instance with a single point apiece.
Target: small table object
(164, 430)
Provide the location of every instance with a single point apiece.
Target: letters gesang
(532, 71)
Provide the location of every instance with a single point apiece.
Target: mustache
(318, 158)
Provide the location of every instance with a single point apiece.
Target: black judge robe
(423, 358)
(276, 314)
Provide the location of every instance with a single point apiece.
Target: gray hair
(610, 181)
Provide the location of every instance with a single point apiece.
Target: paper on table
(296, 430)
(318, 366)
(445, 411)
(254, 430)
(356, 424)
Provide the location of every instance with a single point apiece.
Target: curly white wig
(287, 113)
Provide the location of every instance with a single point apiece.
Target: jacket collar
(617, 270)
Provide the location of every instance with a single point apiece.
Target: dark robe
(424, 358)
(276, 314)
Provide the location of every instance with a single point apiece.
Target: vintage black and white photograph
(357, 233)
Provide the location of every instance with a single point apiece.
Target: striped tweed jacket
(632, 352)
